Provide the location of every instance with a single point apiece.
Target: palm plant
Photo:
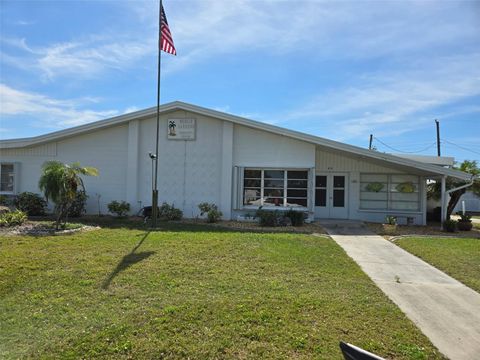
(60, 182)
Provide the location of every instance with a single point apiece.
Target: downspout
(444, 198)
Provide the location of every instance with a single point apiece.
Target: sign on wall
(181, 129)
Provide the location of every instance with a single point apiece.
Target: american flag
(166, 42)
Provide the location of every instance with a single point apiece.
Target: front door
(331, 196)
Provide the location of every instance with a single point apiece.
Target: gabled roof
(178, 105)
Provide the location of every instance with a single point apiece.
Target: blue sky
(337, 69)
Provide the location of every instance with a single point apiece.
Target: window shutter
(311, 190)
(16, 178)
(237, 187)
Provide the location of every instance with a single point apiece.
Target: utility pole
(370, 143)
(438, 136)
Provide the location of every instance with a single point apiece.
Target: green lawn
(195, 292)
(458, 257)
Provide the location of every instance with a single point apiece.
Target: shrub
(268, 218)
(120, 209)
(211, 210)
(169, 212)
(5, 200)
(17, 217)
(296, 217)
(390, 220)
(77, 208)
(32, 204)
(214, 216)
(449, 225)
(465, 222)
(464, 217)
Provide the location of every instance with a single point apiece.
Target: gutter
(472, 180)
(445, 204)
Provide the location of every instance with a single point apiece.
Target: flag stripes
(166, 43)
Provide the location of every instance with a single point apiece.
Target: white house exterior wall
(103, 149)
(257, 148)
(327, 161)
(189, 172)
(207, 169)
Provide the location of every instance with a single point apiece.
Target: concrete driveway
(447, 311)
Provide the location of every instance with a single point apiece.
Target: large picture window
(389, 192)
(7, 178)
(271, 188)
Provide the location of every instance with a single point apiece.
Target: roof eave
(434, 170)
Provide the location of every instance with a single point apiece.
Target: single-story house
(236, 163)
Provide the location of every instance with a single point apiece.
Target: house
(236, 163)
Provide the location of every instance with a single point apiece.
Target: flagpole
(155, 187)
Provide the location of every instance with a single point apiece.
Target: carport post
(444, 200)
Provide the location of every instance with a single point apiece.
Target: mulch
(432, 229)
(40, 229)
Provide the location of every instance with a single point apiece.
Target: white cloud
(210, 28)
(78, 59)
(131, 109)
(392, 103)
(45, 111)
(329, 30)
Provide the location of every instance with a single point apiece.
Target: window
(389, 192)
(271, 188)
(7, 178)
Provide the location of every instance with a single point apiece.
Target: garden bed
(432, 229)
(311, 228)
(43, 228)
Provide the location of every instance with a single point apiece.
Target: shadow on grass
(128, 260)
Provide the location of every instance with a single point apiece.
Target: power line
(461, 147)
(405, 152)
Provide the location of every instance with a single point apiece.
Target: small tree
(434, 189)
(60, 183)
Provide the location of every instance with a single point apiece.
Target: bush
(211, 210)
(77, 208)
(214, 216)
(169, 212)
(120, 209)
(465, 222)
(464, 217)
(17, 217)
(296, 217)
(268, 218)
(449, 225)
(5, 200)
(390, 220)
(32, 204)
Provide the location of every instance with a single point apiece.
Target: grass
(192, 292)
(458, 257)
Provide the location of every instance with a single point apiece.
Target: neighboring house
(472, 202)
(236, 163)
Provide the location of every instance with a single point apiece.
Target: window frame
(284, 189)
(13, 192)
(389, 199)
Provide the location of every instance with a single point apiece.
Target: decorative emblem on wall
(171, 128)
(406, 187)
(374, 187)
(181, 129)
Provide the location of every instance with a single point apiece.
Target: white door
(331, 196)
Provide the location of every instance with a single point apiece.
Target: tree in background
(434, 189)
(60, 183)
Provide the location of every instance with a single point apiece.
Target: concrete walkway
(447, 311)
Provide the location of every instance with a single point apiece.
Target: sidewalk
(444, 309)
